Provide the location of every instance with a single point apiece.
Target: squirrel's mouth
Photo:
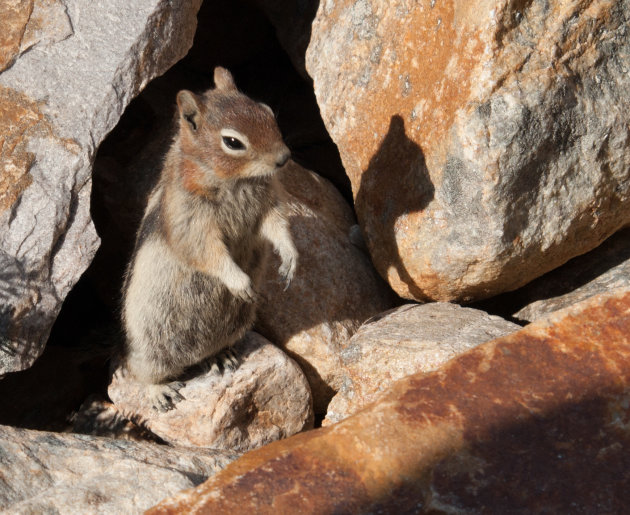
(261, 169)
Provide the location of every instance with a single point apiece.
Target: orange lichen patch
(15, 15)
(25, 23)
(20, 117)
(534, 421)
(21, 120)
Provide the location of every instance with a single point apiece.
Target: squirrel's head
(228, 132)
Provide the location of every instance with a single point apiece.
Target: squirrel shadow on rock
(396, 183)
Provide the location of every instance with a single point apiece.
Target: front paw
(287, 269)
(246, 294)
(240, 285)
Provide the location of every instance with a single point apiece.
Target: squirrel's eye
(233, 143)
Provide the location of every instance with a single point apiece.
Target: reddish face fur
(192, 177)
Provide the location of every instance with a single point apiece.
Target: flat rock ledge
(43, 472)
(604, 269)
(265, 399)
(400, 342)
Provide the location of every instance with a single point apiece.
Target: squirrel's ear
(267, 108)
(189, 109)
(223, 79)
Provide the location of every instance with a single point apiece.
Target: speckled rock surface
(335, 288)
(486, 141)
(58, 100)
(409, 339)
(43, 472)
(533, 422)
(28, 23)
(266, 398)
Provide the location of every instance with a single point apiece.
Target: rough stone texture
(486, 141)
(26, 23)
(43, 472)
(533, 422)
(335, 288)
(266, 398)
(85, 62)
(412, 338)
(604, 269)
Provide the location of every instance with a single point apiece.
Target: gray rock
(486, 141)
(264, 399)
(600, 271)
(42, 472)
(409, 339)
(58, 100)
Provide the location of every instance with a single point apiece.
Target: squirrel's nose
(282, 159)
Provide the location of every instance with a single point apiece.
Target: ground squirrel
(190, 288)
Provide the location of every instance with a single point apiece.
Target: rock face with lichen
(58, 100)
(487, 141)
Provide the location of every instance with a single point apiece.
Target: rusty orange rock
(486, 141)
(15, 16)
(536, 421)
(20, 118)
(26, 23)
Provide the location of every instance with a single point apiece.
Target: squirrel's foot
(163, 397)
(226, 359)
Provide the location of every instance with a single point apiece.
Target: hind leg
(161, 394)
